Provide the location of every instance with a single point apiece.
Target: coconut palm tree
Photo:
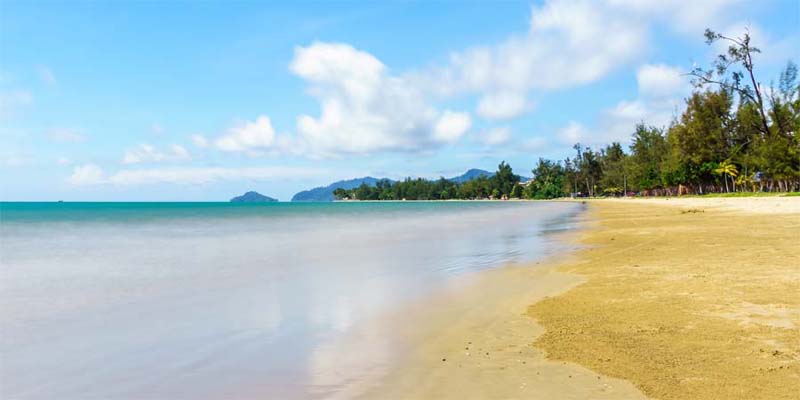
(727, 169)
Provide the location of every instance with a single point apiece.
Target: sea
(225, 300)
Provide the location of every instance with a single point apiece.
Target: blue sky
(202, 101)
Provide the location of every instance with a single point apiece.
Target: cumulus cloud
(66, 135)
(502, 105)
(87, 174)
(535, 143)
(90, 174)
(573, 133)
(675, 15)
(661, 91)
(660, 80)
(451, 126)
(364, 108)
(249, 136)
(617, 123)
(497, 136)
(568, 43)
(146, 153)
(367, 108)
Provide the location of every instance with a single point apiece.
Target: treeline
(503, 184)
(734, 135)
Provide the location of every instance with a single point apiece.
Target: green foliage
(548, 181)
(504, 180)
(503, 183)
(648, 151)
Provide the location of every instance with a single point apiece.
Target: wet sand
(681, 298)
(475, 341)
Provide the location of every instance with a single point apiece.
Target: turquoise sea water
(220, 300)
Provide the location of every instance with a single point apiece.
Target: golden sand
(695, 300)
(673, 299)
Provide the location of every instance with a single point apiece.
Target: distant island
(253, 197)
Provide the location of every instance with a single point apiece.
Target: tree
(548, 180)
(740, 53)
(588, 168)
(516, 192)
(648, 150)
(727, 169)
(612, 164)
(340, 193)
(504, 179)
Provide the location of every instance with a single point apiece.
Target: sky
(201, 101)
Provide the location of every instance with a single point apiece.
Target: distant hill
(470, 175)
(325, 193)
(477, 173)
(253, 197)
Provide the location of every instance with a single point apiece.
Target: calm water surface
(218, 300)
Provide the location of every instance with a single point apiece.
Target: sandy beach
(672, 299)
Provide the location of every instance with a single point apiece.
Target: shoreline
(475, 340)
(546, 327)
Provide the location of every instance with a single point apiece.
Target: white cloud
(502, 105)
(87, 174)
(534, 144)
(616, 124)
(677, 15)
(63, 161)
(146, 153)
(451, 126)
(660, 80)
(569, 43)
(573, 133)
(253, 136)
(90, 174)
(497, 136)
(365, 109)
(66, 135)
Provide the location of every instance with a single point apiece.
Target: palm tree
(746, 180)
(727, 169)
